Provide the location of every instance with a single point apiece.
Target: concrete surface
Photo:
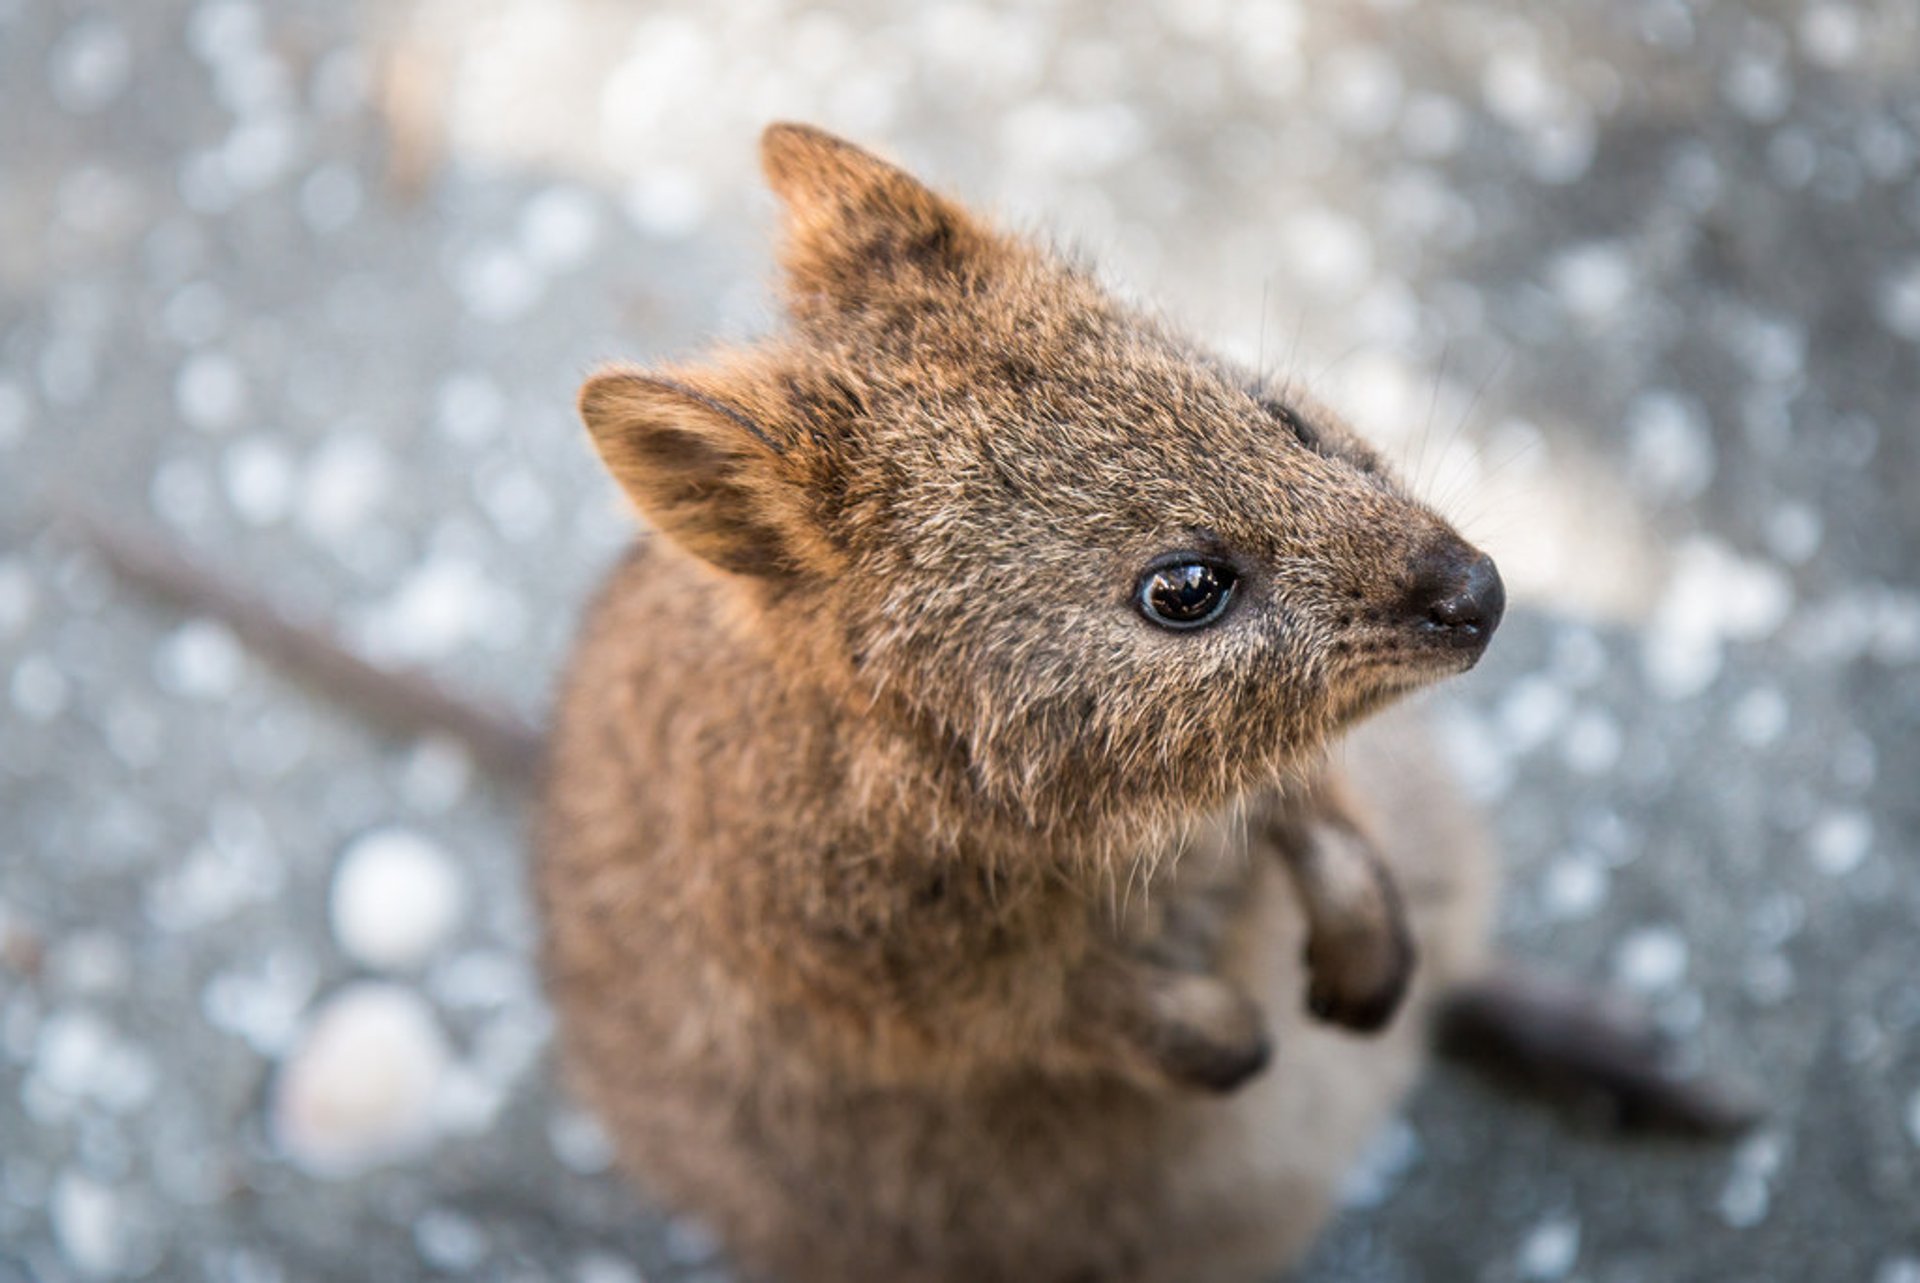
(1633, 289)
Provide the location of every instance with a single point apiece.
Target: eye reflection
(1185, 595)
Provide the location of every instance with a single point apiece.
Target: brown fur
(915, 909)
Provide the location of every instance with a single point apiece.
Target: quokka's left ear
(856, 225)
(703, 472)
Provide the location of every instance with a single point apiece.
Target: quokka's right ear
(701, 470)
(856, 224)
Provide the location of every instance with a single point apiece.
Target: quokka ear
(854, 223)
(701, 471)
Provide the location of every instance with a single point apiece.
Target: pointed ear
(855, 222)
(702, 472)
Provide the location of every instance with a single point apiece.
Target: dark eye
(1183, 595)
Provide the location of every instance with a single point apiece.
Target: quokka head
(1095, 572)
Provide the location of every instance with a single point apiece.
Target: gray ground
(1632, 288)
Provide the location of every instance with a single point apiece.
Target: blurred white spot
(1913, 1118)
(359, 1090)
(1839, 841)
(1475, 753)
(1550, 1249)
(558, 228)
(201, 659)
(1531, 711)
(514, 500)
(1897, 300)
(90, 65)
(1769, 979)
(82, 1058)
(1757, 87)
(1593, 280)
(665, 203)
(17, 596)
(498, 284)
(604, 1267)
(262, 1006)
(1714, 596)
(1744, 1201)
(345, 481)
(1793, 532)
(195, 313)
(580, 1142)
(1899, 1269)
(1330, 252)
(436, 774)
(1592, 742)
(259, 480)
(330, 198)
(1830, 34)
(1382, 1166)
(449, 1241)
(396, 899)
(1574, 888)
(468, 407)
(13, 413)
(1362, 88)
(1761, 717)
(1432, 126)
(38, 688)
(447, 602)
(1670, 448)
(1050, 136)
(259, 152)
(210, 391)
(87, 1222)
(1651, 960)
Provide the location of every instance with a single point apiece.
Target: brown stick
(405, 702)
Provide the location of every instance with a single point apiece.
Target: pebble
(1839, 841)
(1651, 960)
(397, 899)
(1550, 1249)
(360, 1087)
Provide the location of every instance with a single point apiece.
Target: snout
(1456, 597)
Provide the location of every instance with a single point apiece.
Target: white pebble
(1899, 1269)
(605, 1267)
(1897, 300)
(579, 1141)
(1575, 887)
(559, 228)
(201, 660)
(449, 1241)
(1332, 253)
(330, 198)
(468, 407)
(87, 1220)
(396, 899)
(1592, 743)
(17, 596)
(1839, 841)
(90, 65)
(361, 1087)
(1670, 449)
(1593, 280)
(1651, 960)
(668, 204)
(210, 391)
(1550, 1250)
(1761, 717)
(345, 482)
(259, 480)
(38, 688)
(13, 413)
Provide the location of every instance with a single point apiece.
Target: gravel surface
(1633, 290)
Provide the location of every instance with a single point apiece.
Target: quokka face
(1099, 570)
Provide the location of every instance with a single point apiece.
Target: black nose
(1457, 593)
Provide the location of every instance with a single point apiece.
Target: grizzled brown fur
(915, 908)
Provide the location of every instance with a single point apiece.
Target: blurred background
(1631, 289)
